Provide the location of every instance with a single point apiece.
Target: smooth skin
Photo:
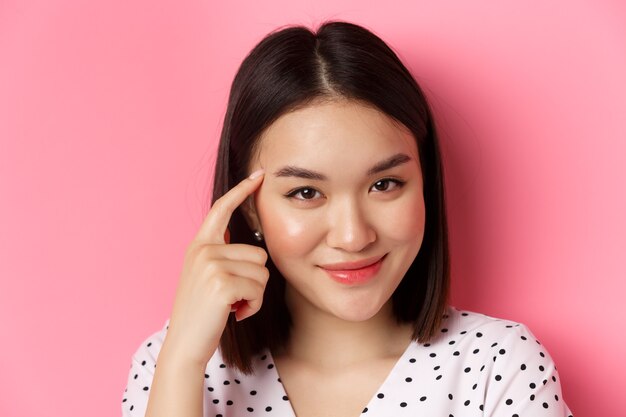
(345, 340)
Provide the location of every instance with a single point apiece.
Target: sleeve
(140, 375)
(525, 381)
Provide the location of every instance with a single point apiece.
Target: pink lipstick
(354, 272)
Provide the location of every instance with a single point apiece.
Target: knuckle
(197, 248)
(262, 254)
(220, 283)
(266, 274)
(214, 269)
(220, 205)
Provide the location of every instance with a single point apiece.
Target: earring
(258, 236)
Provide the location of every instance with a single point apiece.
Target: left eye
(384, 184)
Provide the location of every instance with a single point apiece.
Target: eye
(305, 193)
(385, 183)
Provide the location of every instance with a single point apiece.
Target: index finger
(214, 226)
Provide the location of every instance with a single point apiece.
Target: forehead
(340, 131)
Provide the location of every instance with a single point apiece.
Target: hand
(217, 278)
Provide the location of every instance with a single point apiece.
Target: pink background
(109, 115)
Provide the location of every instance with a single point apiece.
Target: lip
(346, 266)
(346, 273)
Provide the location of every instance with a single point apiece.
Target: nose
(349, 226)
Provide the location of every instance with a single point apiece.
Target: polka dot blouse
(477, 366)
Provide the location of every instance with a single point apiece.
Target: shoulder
(501, 338)
(515, 369)
(141, 373)
(484, 329)
(479, 325)
(149, 349)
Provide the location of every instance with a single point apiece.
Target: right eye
(304, 193)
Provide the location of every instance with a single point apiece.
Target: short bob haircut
(293, 67)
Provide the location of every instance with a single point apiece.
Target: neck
(316, 333)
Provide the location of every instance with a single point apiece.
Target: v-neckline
(394, 369)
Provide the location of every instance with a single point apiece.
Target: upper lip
(352, 265)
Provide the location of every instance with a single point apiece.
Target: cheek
(406, 221)
(288, 233)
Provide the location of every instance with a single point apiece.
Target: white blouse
(477, 366)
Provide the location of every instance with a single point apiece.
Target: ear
(249, 212)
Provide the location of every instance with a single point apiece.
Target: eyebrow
(388, 163)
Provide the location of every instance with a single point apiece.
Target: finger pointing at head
(214, 226)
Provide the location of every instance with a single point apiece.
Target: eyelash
(293, 193)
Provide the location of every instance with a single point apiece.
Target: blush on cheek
(407, 221)
(287, 232)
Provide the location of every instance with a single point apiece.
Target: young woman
(317, 283)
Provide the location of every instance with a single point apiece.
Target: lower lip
(355, 276)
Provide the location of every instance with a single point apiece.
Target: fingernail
(256, 173)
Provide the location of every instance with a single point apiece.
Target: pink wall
(109, 113)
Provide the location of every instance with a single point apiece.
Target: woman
(327, 241)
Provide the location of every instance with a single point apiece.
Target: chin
(356, 311)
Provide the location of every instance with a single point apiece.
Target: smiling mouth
(366, 271)
(354, 265)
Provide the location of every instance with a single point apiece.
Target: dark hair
(290, 68)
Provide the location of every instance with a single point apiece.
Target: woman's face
(342, 184)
